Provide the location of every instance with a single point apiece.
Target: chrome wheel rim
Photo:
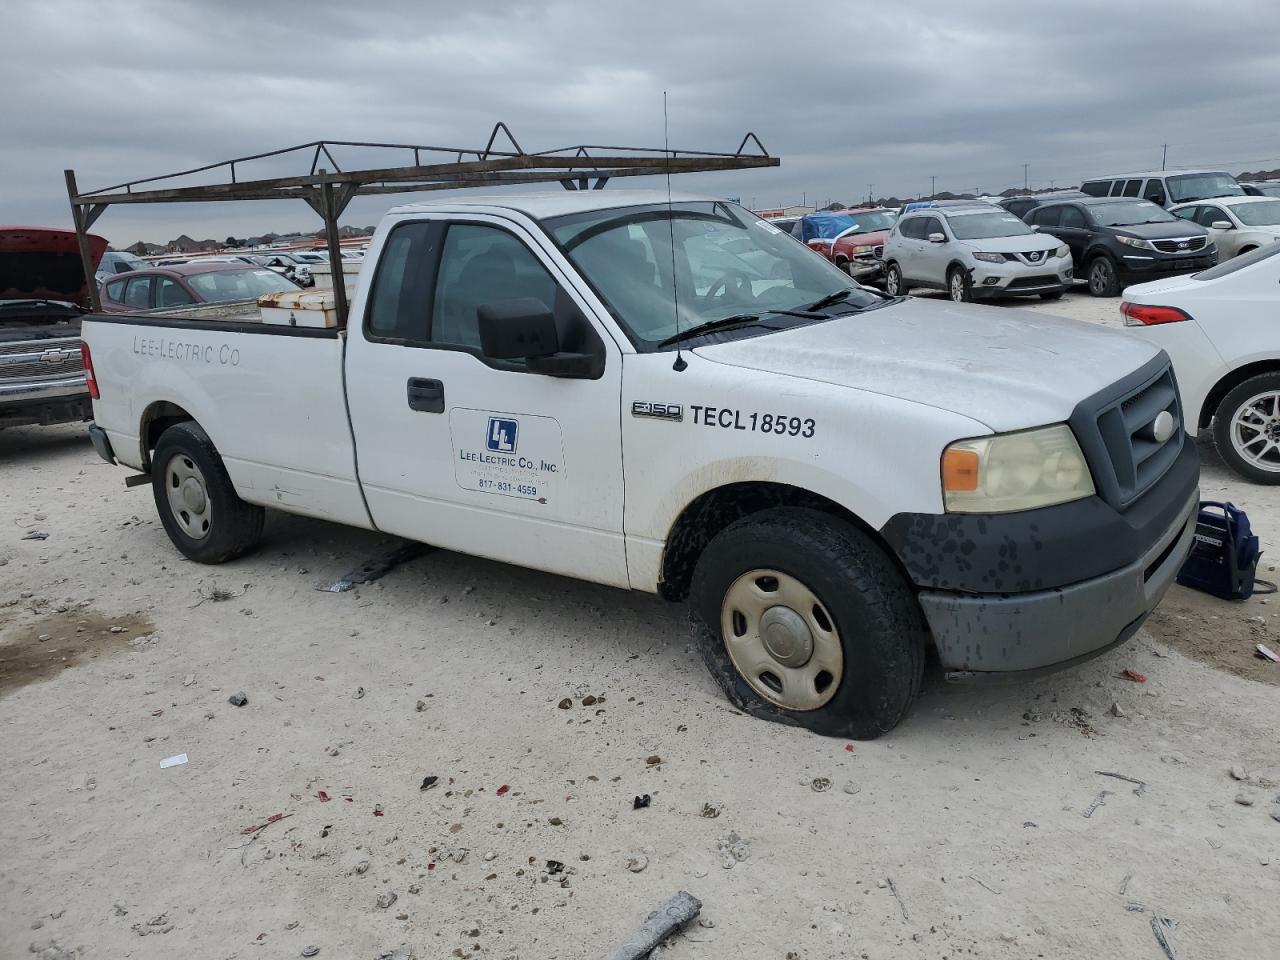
(891, 282)
(188, 496)
(1255, 431)
(957, 287)
(782, 640)
(1100, 277)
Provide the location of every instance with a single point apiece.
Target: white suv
(974, 252)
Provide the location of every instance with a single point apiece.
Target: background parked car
(1236, 224)
(1219, 327)
(186, 283)
(1166, 187)
(849, 238)
(1261, 188)
(973, 251)
(1115, 241)
(291, 267)
(1021, 206)
(117, 261)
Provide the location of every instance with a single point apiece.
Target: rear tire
(798, 576)
(1103, 279)
(198, 505)
(895, 285)
(1256, 403)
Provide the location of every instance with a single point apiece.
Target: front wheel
(1246, 429)
(801, 618)
(894, 284)
(198, 505)
(1103, 281)
(959, 289)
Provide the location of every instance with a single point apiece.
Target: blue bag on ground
(1224, 554)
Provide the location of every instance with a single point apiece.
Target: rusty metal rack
(329, 189)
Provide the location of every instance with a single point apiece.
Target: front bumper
(1143, 267)
(1051, 629)
(865, 267)
(44, 402)
(1019, 279)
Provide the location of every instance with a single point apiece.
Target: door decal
(506, 454)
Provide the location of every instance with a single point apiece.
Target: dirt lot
(965, 833)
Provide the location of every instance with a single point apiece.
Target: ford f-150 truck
(43, 292)
(670, 395)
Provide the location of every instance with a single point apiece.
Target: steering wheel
(740, 289)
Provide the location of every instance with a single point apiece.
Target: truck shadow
(32, 445)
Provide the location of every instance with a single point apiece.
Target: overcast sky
(848, 94)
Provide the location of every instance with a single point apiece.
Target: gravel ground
(974, 830)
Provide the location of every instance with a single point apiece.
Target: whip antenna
(680, 363)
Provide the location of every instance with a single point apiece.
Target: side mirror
(1222, 225)
(1035, 227)
(525, 329)
(937, 238)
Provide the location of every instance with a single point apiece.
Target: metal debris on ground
(359, 694)
(820, 784)
(217, 594)
(983, 885)
(733, 849)
(1124, 884)
(637, 862)
(1162, 927)
(641, 802)
(274, 818)
(36, 535)
(669, 918)
(897, 896)
(237, 699)
(385, 899)
(310, 950)
(1098, 801)
(378, 567)
(711, 810)
(1142, 785)
(565, 704)
(1263, 652)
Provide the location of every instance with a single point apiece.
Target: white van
(1166, 187)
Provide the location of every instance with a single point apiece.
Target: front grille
(1040, 256)
(1128, 459)
(1040, 280)
(1183, 245)
(40, 359)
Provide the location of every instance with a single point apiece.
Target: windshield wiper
(830, 299)
(710, 326)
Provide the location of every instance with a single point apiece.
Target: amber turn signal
(959, 471)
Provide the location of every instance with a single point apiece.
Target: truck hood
(43, 263)
(1007, 368)
(872, 239)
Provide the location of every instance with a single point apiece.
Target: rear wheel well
(1229, 383)
(714, 510)
(158, 418)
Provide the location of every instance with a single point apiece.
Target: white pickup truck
(678, 398)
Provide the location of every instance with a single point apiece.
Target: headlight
(989, 257)
(1135, 242)
(1014, 471)
(1062, 251)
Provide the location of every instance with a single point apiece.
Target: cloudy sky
(847, 93)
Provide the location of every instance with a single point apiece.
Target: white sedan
(1236, 224)
(1219, 327)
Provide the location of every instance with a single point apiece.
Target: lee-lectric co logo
(502, 435)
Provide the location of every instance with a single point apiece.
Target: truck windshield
(1202, 186)
(248, 284)
(727, 262)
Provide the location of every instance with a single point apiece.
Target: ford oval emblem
(1161, 428)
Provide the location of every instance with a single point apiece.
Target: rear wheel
(959, 288)
(894, 283)
(1103, 280)
(197, 503)
(801, 618)
(1246, 429)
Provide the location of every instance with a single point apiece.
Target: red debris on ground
(323, 797)
(503, 789)
(848, 748)
(377, 810)
(1134, 676)
(266, 823)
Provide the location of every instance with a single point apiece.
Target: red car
(851, 239)
(182, 284)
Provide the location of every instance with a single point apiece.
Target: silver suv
(974, 252)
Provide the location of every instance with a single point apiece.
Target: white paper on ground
(173, 761)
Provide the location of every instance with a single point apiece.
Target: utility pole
(869, 188)
(933, 188)
(1164, 155)
(1026, 183)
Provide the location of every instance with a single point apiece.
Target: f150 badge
(657, 411)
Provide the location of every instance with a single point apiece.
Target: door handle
(425, 396)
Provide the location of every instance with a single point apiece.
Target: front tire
(803, 619)
(959, 288)
(1246, 429)
(198, 505)
(895, 285)
(1103, 279)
